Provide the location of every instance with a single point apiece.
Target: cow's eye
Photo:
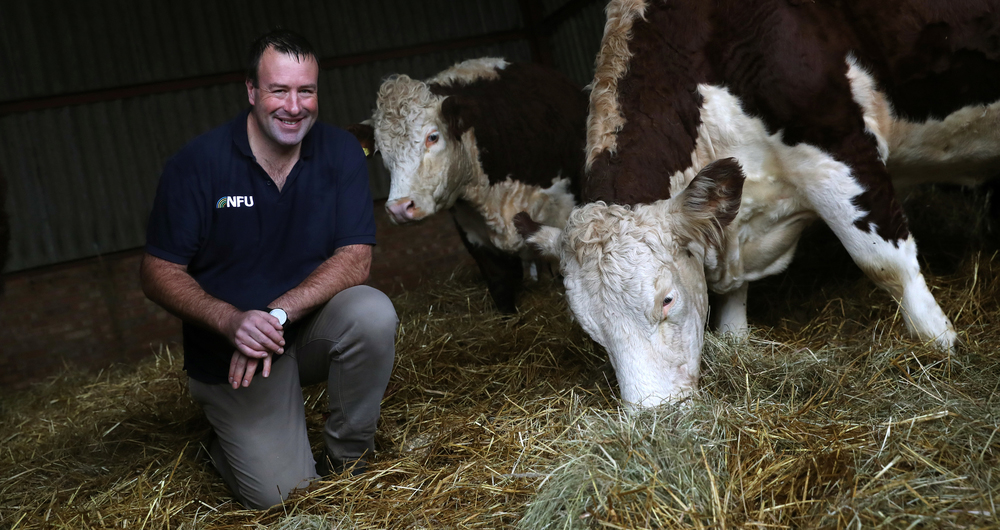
(431, 139)
(668, 302)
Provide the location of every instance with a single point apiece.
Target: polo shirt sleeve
(174, 232)
(355, 210)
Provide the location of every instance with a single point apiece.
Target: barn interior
(828, 416)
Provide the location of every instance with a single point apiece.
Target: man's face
(285, 102)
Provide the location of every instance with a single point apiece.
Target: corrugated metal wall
(575, 43)
(81, 178)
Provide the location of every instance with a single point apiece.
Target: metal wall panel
(50, 47)
(81, 179)
(550, 6)
(576, 42)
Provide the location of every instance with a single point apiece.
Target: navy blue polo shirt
(218, 212)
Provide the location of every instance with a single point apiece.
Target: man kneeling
(259, 240)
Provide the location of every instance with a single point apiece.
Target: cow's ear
(710, 202)
(542, 239)
(365, 134)
(459, 113)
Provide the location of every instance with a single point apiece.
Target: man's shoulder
(214, 143)
(336, 144)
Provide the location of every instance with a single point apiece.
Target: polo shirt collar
(242, 139)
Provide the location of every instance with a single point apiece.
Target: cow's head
(635, 279)
(429, 164)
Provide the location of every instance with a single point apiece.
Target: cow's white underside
(787, 187)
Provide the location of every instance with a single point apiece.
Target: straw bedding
(828, 417)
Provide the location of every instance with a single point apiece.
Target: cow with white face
(484, 139)
(804, 107)
(635, 278)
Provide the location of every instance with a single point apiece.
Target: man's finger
(251, 368)
(251, 349)
(270, 339)
(237, 366)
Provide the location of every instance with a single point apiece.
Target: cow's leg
(869, 223)
(729, 312)
(503, 272)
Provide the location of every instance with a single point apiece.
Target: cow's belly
(473, 224)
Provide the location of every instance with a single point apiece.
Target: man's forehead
(275, 63)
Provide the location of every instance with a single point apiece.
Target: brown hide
(530, 124)
(785, 61)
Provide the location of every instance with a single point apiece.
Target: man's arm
(349, 266)
(254, 333)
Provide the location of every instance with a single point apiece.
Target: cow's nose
(402, 210)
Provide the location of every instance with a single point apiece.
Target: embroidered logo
(235, 201)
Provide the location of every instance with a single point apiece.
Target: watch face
(280, 315)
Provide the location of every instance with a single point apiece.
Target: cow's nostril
(402, 210)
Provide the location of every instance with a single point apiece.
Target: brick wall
(89, 314)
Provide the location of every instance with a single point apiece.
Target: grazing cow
(485, 139)
(805, 107)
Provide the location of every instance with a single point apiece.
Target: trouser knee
(370, 313)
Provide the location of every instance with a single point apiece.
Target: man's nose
(292, 103)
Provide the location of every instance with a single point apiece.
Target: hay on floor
(827, 417)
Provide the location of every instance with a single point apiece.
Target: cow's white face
(635, 280)
(428, 166)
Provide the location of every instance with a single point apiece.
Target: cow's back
(785, 61)
(528, 122)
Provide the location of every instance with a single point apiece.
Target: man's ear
(365, 134)
(250, 96)
(710, 202)
(542, 239)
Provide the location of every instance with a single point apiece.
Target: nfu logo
(235, 201)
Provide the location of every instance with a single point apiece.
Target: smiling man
(259, 241)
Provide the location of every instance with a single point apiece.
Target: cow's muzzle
(403, 210)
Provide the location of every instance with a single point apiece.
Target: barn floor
(827, 417)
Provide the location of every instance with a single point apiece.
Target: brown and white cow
(805, 107)
(485, 139)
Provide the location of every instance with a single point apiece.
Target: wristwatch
(279, 314)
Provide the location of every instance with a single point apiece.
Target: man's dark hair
(282, 40)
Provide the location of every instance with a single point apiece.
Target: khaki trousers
(262, 450)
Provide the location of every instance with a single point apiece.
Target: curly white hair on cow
(470, 71)
(402, 102)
